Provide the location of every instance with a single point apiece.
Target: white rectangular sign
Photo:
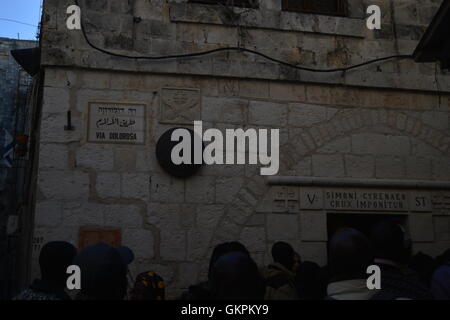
(116, 123)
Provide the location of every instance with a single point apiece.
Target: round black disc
(164, 148)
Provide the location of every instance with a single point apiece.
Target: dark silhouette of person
(424, 265)
(440, 280)
(443, 258)
(279, 275)
(392, 250)
(54, 259)
(309, 282)
(297, 262)
(440, 283)
(103, 273)
(148, 286)
(348, 259)
(224, 248)
(202, 291)
(235, 276)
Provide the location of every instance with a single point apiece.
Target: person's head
(54, 259)
(148, 286)
(297, 261)
(235, 276)
(126, 254)
(283, 253)
(225, 248)
(103, 273)
(389, 241)
(349, 253)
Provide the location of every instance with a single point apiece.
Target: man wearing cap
(103, 272)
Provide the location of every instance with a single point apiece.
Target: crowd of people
(234, 275)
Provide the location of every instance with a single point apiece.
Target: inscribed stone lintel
(180, 105)
(287, 199)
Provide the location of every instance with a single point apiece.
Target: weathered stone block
(421, 227)
(53, 156)
(125, 159)
(328, 165)
(304, 115)
(123, 216)
(313, 251)
(187, 274)
(268, 113)
(167, 189)
(95, 157)
(313, 226)
(198, 238)
(48, 214)
(287, 91)
(380, 144)
(136, 186)
(200, 189)
(56, 100)
(83, 214)
(441, 168)
(360, 166)
(108, 185)
(164, 215)
(224, 110)
(282, 226)
(64, 185)
(227, 187)
(389, 167)
(337, 146)
(253, 89)
(254, 238)
(418, 168)
(140, 240)
(52, 128)
(173, 244)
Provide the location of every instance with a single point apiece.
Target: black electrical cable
(19, 22)
(240, 49)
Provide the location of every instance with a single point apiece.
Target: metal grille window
(234, 3)
(328, 7)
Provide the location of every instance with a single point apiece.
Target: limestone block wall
(172, 224)
(381, 122)
(159, 27)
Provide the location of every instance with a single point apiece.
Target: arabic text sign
(116, 123)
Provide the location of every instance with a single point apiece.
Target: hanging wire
(229, 49)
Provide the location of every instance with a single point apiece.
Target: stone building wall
(14, 82)
(14, 88)
(377, 122)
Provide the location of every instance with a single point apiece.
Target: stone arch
(308, 140)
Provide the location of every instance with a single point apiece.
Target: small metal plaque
(89, 237)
